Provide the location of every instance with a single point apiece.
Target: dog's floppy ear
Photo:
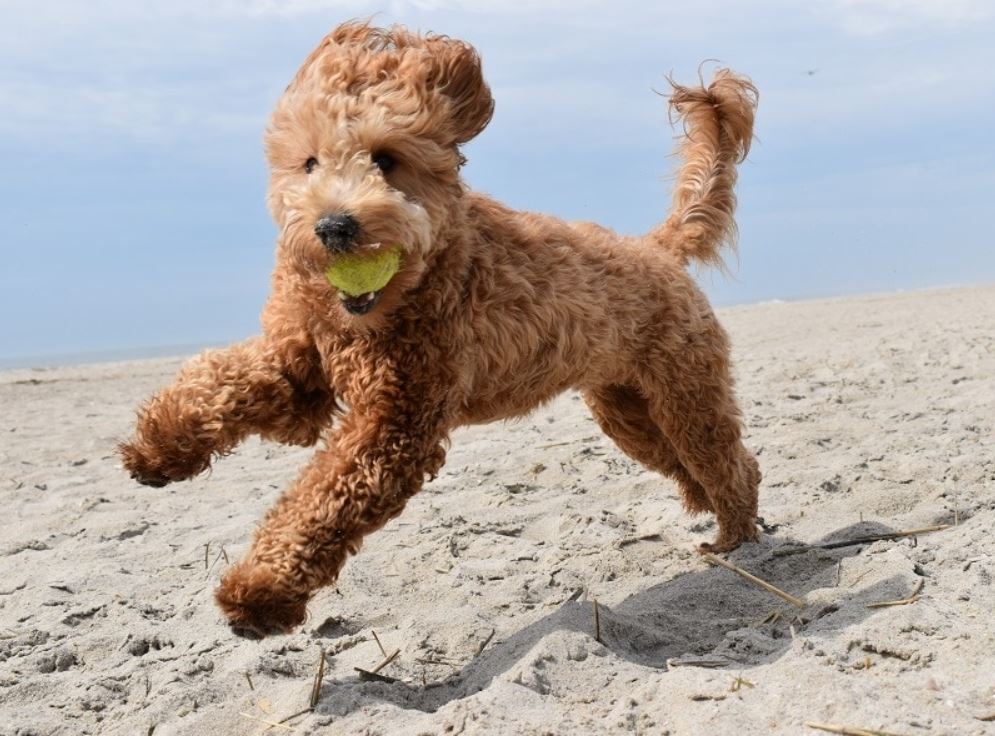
(457, 74)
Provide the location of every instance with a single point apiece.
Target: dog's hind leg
(623, 414)
(688, 387)
(692, 402)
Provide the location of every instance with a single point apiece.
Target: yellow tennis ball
(360, 273)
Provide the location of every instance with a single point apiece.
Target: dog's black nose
(338, 232)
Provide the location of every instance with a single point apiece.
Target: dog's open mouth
(361, 304)
(360, 277)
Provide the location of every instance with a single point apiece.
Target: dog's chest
(370, 368)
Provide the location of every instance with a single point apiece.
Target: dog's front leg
(375, 461)
(221, 397)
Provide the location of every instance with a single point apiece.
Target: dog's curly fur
(493, 313)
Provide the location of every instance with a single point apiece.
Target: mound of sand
(869, 415)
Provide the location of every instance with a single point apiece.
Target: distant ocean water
(103, 356)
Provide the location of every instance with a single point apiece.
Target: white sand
(877, 409)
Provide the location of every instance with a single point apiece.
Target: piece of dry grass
(873, 538)
(435, 660)
(283, 721)
(739, 683)
(860, 540)
(706, 663)
(848, 730)
(654, 537)
(223, 554)
(713, 559)
(269, 724)
(377, 640)
(771, 618)
(911, 598)
(319, 676)
(597, 621)
(390, 658)
(484, 644)
(374, 676)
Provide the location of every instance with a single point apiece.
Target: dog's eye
(384, 161)
(310, 164)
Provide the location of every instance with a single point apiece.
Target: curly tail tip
(718, 131)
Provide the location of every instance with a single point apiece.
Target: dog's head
(364, 151)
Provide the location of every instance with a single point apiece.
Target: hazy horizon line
(185, 350)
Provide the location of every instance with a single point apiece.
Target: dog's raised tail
(718, 127)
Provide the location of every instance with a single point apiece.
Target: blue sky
(132, 179)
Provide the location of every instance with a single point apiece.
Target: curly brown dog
(492, 313)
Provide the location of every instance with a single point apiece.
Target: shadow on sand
(692, 615)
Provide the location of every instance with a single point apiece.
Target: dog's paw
(717, 548)
(141, 467)
(156, 468)
(728, 540)
(257, 605)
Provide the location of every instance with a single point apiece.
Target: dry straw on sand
(318, 677)
(799, 602)
(910, 598)
(848, 730)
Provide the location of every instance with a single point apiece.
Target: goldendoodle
(491, 313)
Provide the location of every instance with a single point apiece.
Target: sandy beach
(869, 415)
